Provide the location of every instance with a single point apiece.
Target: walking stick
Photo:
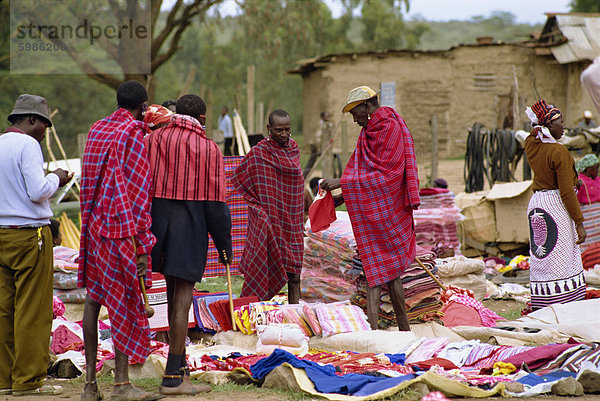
(438, 282)
(229, 290)
(147, 307)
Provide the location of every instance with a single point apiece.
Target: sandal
(44, 390)
(185, 388)
(134, 394)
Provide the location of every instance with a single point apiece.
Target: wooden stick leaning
(438, 282)
(147, 307)
(229, 290)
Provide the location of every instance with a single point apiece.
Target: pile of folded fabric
(463, 272)
(284, 336)
(65, 275)
(313, 319)
(436, 218)
(422, 294)
(331, 265)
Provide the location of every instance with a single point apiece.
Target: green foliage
(585, 6)
(383, 27)
(444, 35)
(270, 34)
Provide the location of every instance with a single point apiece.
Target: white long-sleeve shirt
(24, 190)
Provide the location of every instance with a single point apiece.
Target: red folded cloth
(221, 310)
(322, 211)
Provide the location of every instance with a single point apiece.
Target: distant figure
(26, 269)
(315, 142)
(157, 116)
(226, 126)
(588, 196)
(270, 180)
(587, 121)
(589, 190)
(170, 104)
(440, 183)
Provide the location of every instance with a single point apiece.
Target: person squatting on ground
(188, 202)
(555, 219)
(116, 238)
(380, 186)
(270, 180)
(26, 272)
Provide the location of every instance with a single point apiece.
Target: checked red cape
(270, 180)
(115, 205)
(380, 185)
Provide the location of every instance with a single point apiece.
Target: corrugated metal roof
(583, 38)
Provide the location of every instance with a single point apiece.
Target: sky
(525, 11)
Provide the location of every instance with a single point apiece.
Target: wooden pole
(345, 152)
(268, 111)
(209, 114)
(438, 282)
(229, 289)
(260, 127)
(250, 99)
(434, 147)
(327, 137)
(516, 108)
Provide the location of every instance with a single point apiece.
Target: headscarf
(156, 115)
(541, 114)
(587, 161)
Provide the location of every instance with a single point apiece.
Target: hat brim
(13, 114)
(352, 105)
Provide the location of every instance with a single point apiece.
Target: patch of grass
(218, 284)
(406, 394)
(147, 383)
(284, 394)
(510, 314)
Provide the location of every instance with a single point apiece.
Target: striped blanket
(239, 220)
(591, 214)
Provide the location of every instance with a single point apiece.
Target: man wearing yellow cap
(380, 186)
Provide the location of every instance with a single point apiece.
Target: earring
(368, 116)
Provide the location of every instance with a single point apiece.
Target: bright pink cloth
(589, 191)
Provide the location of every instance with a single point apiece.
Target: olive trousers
(26, 281)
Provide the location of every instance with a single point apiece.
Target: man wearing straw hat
(116, 239)
(26, 250)
(380, 186)
(188, 193)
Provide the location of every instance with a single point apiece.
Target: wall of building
(462, 86)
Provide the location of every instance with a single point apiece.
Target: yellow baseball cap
(357, 96)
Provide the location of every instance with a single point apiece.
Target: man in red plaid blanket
(380, 186)
(270, 180)
(116, 238)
